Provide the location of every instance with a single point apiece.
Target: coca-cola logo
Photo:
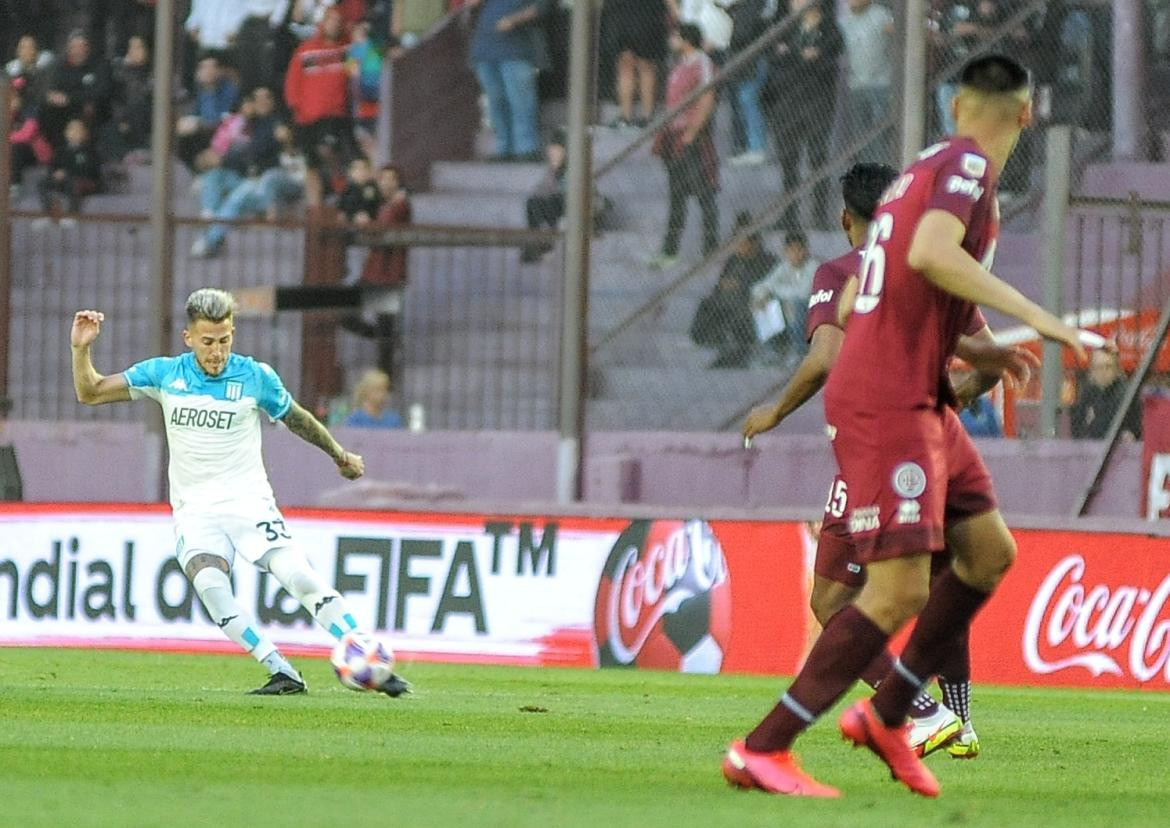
(653, 572)
(1107, 631)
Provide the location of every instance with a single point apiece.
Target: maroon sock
(947, 614)
(878, 669)
(849, 642)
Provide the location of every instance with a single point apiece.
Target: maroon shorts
(909, 474)
(835, 559)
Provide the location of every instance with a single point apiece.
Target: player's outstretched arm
(91, 387)
(936, 252)
(303, 424)
(806, 381)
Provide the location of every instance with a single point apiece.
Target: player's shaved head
(212, 304)
(862, 187)
(994, 84)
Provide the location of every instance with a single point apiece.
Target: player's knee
(828, 598)
(205, 560)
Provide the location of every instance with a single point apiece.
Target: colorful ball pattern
(361, 661)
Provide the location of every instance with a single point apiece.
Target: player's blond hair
(212, 304)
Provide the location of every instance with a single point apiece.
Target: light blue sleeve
(272, 398)
(146, 378)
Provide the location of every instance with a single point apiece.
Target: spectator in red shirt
(317, 87)
(686, 147)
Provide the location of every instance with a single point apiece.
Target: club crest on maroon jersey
(664, 600)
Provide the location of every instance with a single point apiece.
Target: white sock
(215, 591)
(292, 568)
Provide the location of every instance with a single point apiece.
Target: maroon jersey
(904, 329)
(827, 283)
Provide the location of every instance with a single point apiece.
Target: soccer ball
(361, 661)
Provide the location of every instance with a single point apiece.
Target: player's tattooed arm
(303, 424)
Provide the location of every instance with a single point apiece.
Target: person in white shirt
(789, 283)
(223, 506)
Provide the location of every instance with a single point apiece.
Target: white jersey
(213, 426)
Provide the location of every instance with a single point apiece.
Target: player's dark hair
(995, 75)
(692, 34)
(862, 187)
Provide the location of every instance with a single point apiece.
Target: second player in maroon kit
(916, 483)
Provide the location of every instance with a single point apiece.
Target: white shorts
(251, 529)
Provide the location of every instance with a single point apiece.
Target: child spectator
(360, 199)
(546, 205)
(74, 173)
(363, 58)
(27, 146)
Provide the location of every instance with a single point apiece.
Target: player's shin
(949, 611)
(294, 572)
(215, 591)
(849, 642)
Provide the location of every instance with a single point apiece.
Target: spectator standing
(31, 67)
(75, 172)
(634, 32)
(371, 402)
(801, 97)
(790, 283)
(747, 23)
(316, 89)
(508, 51)
(723, 319)
(363, 59)
(1098, 398)
(868, 30)
(254, 47)
(686, 147)
(386, 266)
(962, 25)
(211, 27)
(79, 87)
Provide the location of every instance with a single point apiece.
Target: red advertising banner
(1079, 610)
(1156, 457)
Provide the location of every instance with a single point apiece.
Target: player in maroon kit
(838, 576)
(916, 483)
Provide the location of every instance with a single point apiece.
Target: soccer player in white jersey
(222, 501)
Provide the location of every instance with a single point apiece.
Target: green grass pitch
(128, 739)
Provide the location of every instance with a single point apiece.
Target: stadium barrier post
(578, 219)
(913, 80)
(1130, 131)
(5, 240)
(1058, 153)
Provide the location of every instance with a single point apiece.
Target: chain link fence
(721, 130)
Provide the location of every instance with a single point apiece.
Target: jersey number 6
(872, 275)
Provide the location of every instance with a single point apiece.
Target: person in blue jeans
(508, 51)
